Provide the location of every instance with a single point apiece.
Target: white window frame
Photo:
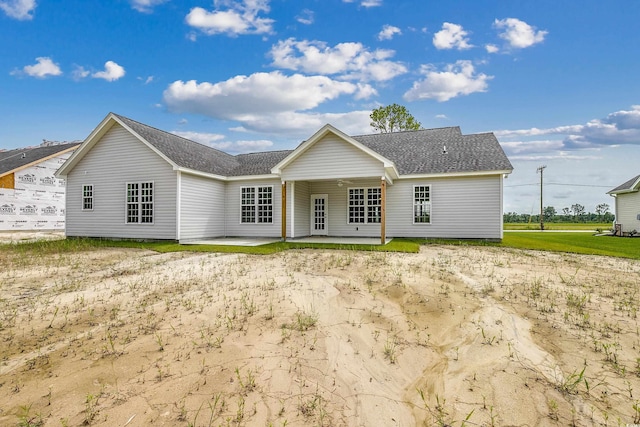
(365, 205)
(142, 204)
(422, 204)
(86, 197)
(261, 205)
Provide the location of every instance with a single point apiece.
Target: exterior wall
(466, 207)
(337, 202)
(233, 226)
(201, 207)
(627, 211)
(302, 206)
(332, 158)
(115, 160)
(33, 198)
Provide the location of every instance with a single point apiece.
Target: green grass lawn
(580, 243)
(558, 226)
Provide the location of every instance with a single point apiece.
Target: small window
(87, 197)
(140, 203)
(422, 204)
(256, 205)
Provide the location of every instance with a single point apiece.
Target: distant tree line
(575, 213)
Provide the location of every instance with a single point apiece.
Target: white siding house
(627, 206)
(129, 180)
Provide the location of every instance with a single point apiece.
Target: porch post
(383, 210)
(284, 211)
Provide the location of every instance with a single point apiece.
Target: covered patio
(256, 241)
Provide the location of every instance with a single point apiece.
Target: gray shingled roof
(413, 152)
(11, 160)
(184, 152)
(423, 151)
(626, 186)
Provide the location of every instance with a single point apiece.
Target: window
(87, 197)
(422, 204)
(365, 205)
(140, 203)
(256, 205)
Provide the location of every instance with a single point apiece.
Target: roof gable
(177, 151)
(318, 136)
(630, 186)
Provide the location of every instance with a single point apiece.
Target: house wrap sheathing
(31, 197)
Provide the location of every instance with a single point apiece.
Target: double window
(256, 205)
(365, 205)
(422, 204)
(87, 197)
(140, 203)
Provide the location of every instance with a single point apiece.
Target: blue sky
(557, 81)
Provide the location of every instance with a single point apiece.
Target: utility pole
(541, 170)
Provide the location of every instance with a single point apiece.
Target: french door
(319, 211)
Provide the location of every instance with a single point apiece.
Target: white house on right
(627, 197)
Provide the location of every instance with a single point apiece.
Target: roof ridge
(172, 134)
(407, 131)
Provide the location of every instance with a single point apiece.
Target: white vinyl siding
(117, 159)
(87, 197)
(464, 207)
(302, 206)
(201, 207)
(332, 158)
(233, 210)
(627, 211)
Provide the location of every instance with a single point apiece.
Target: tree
(578, 210)
(549, 213)
(393, 118)
(602, 209)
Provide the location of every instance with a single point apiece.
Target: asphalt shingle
(626, 186)
(11, 160)
(427, 151)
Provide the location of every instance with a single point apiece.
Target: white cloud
(456, 80)
(302, 125)
(218, 142)
(18, 9)
(366, 3)
(44, 67)
(146, 80)
(452, 36)
(240, 18)
(491, 48)
(306, 17)
(518, 34)
(258, 93)
(146, 6)
(266, 102)
(371, 3)
(617, 128)
(201, 137)
(112, 71)
(388, 31)
(441, 117)
(348, 60)
(79, 73)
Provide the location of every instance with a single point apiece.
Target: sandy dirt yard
(474, 336)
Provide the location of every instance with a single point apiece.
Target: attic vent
(444, 149)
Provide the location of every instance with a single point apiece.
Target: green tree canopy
(393, 118)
